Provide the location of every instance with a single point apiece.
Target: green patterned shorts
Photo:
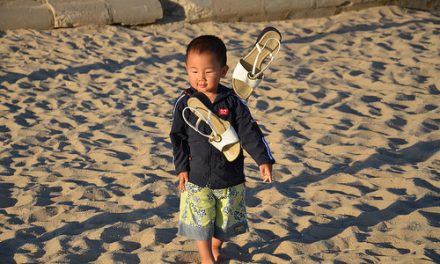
(206, 212)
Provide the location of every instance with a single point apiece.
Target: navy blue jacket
(206, 165)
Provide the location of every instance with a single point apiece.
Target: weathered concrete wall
(25, 14)
(47, 14)
(257, 10)
(426, 5)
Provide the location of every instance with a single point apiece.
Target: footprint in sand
(397, 123)
(126, 246)
(43, 214)
(94, 193)
(27, 119)
(115, 233)
(6, 199)
(44, 194)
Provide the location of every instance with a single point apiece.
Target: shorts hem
(232, 231)
(194, 232)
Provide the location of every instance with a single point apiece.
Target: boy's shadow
(321, 232)
(412, 155)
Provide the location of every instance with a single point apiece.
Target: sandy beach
(350, 108)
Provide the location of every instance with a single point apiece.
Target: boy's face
(204, 71)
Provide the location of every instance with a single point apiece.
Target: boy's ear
(225, 70)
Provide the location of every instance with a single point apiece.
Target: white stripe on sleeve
(268, 149)
(175, 104)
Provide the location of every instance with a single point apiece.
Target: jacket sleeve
(251, 137)
(179, 138)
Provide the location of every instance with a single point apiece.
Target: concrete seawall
(257, 10)
(48, 14)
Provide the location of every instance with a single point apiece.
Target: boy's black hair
(208, 43)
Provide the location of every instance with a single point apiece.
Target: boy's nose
(201, 76)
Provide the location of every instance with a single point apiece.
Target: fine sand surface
(350, 108)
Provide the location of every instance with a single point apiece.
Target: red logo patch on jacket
(223, 112)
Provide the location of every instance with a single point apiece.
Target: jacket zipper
(208, 182)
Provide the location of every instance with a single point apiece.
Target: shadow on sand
(412, 155)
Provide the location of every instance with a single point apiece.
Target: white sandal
(223, 136)
(248, 72)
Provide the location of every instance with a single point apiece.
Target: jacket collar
(222, 92)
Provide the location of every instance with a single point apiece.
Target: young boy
(212, 208)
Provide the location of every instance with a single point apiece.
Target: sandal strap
(200, 117)
(227, 138)
(218, 141)
(240, 73)
(272, 56)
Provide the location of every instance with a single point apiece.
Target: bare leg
(216, 247)
(205, 251)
